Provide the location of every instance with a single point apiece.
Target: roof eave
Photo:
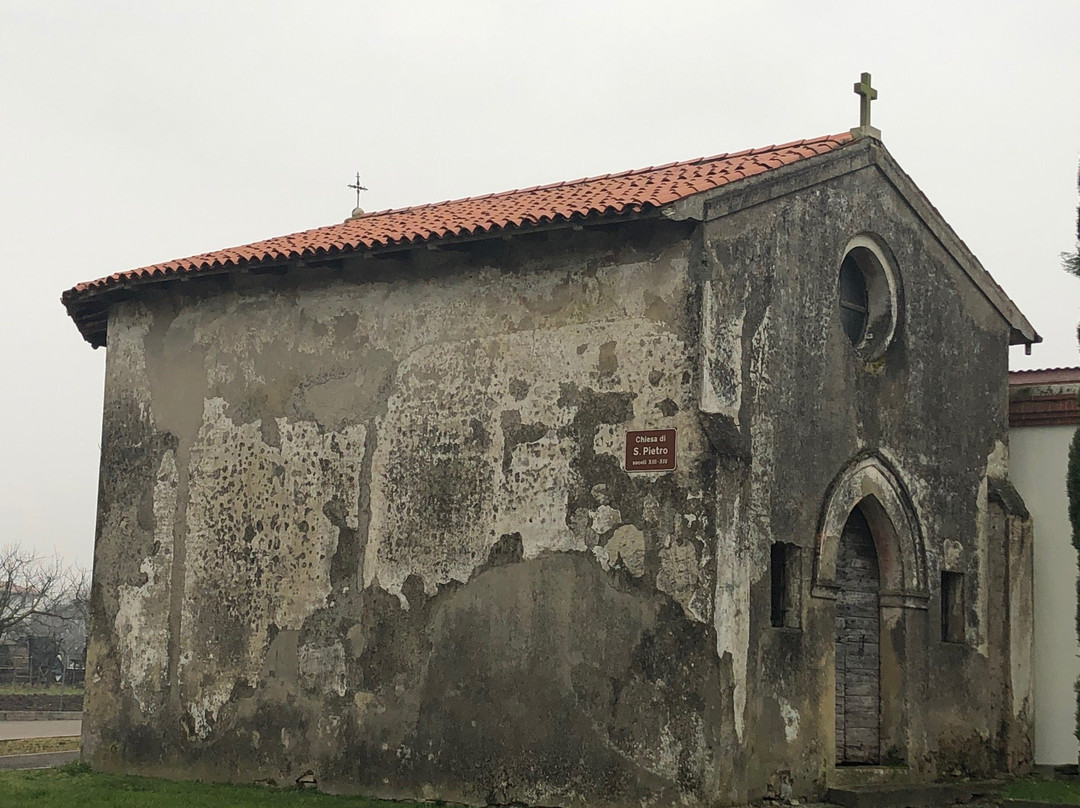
(88, 307)
(861, 153)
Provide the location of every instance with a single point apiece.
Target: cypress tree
(1071, 263)
(1072, 486)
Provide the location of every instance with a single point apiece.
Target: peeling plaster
(322, 668)
(791, 719)
(142, 620)
(605, 518)
(263, 525)
(731, 614)
(481, 483)
(627, 544)
(952, 555)
(681, 576)
(721, 362)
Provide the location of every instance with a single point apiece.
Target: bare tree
(34, 587)
(1071, 260)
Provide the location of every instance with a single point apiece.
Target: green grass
(41, 690)
(1029, 788)
(76, 785)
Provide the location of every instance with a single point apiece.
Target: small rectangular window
(785, 570)
(952, 607)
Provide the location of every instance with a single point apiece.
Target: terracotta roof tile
(1044, 397)
(1044, 376)
(623, 194)
(1044, 410)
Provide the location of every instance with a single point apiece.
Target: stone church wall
(381, 530)
(932, 410)
(371, 521)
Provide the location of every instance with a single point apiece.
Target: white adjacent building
(1043, 415)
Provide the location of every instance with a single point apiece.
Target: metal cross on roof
(866, 94)
(356, 186)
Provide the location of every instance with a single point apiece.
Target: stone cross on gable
(866, 95)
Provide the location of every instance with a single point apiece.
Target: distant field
(33, 746)
(41, 690)
(76, 785)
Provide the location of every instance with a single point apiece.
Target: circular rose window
(868, 297)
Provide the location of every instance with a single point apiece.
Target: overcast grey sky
(132, 133)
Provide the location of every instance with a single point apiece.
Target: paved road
(38, 729)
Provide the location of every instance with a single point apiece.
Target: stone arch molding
(871, 483)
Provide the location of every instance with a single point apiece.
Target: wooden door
(858, 630)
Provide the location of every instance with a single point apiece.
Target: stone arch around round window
(869, 295)
(871, 483)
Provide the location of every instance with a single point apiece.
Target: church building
(681, 486)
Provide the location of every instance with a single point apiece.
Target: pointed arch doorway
(858, 644)
(871, 563)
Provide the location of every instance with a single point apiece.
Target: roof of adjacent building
(1044, 376)
(610, 197)
(1044, 397)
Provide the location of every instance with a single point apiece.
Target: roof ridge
(625, 194)
(840, 137)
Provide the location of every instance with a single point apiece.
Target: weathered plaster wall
(372, 521)
(799, 406)
(379, 528)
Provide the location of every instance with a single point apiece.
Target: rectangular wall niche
(952, 606)
(786, 578)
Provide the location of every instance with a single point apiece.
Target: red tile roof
(1044, 376)
(1044, 397)
(612, 195)
(1058, 409)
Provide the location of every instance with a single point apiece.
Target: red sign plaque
(650, 450)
